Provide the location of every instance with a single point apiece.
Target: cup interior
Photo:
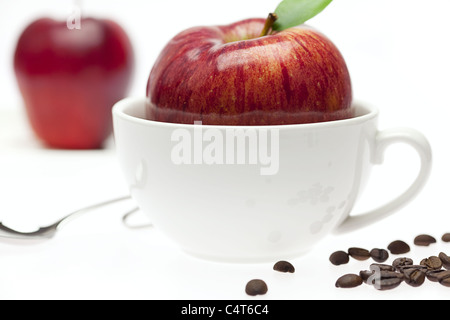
(134, 109)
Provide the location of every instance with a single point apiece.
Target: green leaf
(292, 13)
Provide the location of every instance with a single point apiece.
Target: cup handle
(384, 139)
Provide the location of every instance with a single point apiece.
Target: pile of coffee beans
(387, 277)
(379, 275)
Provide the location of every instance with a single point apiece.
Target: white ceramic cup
(266, 203)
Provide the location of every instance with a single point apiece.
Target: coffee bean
(402, 262)
(365, 275)
(339, 257)
(399, 247)
(349, 281)
(388, 275)
(446, 237)
(445, 282)
(432, 263)
(284, 266)
(387, 280)
(385, 271)
(414, 277)
(413, 267)
(359, 254)
(433, 275)
(445, 260)
(382, 279)
(438, 275)
(256, 287)
(424, 240)
(392, 274)
(379, 255)
(381, 267)
(388, 283)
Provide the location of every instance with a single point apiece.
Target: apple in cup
(71, 78)
(246, 73)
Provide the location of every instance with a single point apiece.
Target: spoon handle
(49, 232)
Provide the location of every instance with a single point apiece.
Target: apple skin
(70, 79)
(229, 75)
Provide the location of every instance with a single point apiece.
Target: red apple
(70, 79)
(230, 75)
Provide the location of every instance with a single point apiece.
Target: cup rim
(123, 107)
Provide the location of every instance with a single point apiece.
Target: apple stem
(269, 24)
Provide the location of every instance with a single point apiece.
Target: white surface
(95, 257)
(397, 54)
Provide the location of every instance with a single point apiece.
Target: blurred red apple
(70, 79)
(230, 75)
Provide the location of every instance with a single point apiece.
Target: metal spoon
(45, 233)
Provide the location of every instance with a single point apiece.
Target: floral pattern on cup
(316, 194)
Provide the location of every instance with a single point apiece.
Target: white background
(397, 53)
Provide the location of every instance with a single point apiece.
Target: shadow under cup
(248, 194)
